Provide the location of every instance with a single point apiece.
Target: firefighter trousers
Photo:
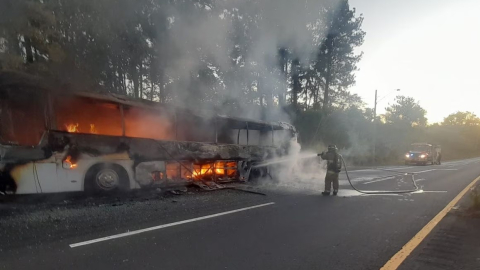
(331, 178)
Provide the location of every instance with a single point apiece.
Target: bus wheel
(106, 178)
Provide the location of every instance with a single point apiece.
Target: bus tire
(106, 178)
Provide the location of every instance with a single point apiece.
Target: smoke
(233, 46)
(299, 171)
(359, 151)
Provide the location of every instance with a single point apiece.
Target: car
(421, 154)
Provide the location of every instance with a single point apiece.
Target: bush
(475, 197)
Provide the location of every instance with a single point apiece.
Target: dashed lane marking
(166, 226)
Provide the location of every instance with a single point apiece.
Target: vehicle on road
(423, 154)
(55, 140)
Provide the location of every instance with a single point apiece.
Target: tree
(461, 119)
(336, 58)
(406, 112)
(28, 37)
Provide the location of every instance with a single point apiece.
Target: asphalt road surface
(292, 227)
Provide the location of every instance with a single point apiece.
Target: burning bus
(54, 140)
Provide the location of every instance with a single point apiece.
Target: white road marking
(431, 191)
(399, 168)
(381, 169)
(379, 180)
(362, 170)
(431, 170)
(386, 194)
(165, 226)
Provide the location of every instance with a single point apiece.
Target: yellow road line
(400, 256)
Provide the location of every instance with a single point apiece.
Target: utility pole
(374, 129)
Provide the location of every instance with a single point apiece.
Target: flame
(204, 169)
(72, 128)
(219, 169)
(93, 129)
(75, 128)
(68, 160)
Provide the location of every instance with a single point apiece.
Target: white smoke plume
(207, 37)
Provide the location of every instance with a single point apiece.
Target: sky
(429, 49)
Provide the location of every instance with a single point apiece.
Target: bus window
(85, 115)
(142, 123)
(22, 118)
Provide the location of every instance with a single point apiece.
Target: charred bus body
(60, 141)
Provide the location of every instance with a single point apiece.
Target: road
(286, 229)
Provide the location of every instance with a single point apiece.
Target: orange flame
(93, 129)
(72, 128)
(219, 169)
(75, 128)
(204, 169)
(68, 160)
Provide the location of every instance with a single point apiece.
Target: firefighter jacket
(334, 163)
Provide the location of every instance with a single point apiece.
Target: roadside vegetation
(475, 199)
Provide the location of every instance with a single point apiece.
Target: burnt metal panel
(149, 149)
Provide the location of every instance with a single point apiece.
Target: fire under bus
(55, 140)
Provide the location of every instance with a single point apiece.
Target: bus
(56, 140)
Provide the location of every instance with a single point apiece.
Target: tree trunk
(152, 88)
(124, 83)
(284, 69)
(28, 49)
(296, 87)
(162, 95)
(328, 75)
(140, 81)
(261, 92)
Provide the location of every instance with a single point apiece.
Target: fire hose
(416, 188)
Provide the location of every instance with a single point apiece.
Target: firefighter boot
(326, 193)
(335, 192)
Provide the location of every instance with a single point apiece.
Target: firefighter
(334, 166)
(438, 150)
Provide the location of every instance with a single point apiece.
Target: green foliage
(462, 118)
(406, 112)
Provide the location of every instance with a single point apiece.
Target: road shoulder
(453, 243)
